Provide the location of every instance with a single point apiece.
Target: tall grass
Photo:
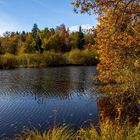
(8, 61)
(61, 133)
(49, 58)
(111, 131)
(107, 131)
(41, 60)
(54, 59)
(29, 60)
(83, 57)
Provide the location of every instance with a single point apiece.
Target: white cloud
(84, 27)
(8, 23)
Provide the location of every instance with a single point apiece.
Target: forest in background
(47, 47)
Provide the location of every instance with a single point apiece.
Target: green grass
(107, 131)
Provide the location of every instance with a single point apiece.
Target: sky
(19, 15)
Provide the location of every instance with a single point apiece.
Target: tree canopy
(117, 40)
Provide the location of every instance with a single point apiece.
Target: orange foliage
(117, 37)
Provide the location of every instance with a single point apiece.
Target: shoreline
(54, 66)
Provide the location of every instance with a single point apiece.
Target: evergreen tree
(37, 39)
(39, 44)
(35, 31)
(80, 42)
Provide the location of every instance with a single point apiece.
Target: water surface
(43, 97)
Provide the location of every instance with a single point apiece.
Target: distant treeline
(47, 47)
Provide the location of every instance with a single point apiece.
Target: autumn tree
(28, 46)
(9, 43)
(73, 40)
(117, 35)
(0, 45)
(45, 35)
(118, 43)
(63, 35)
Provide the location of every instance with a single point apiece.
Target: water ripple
(44, 97)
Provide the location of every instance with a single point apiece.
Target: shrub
(75, 57)
(30, 60)
(91, 57)
(82, 57)
(51, 58)
(8, 61)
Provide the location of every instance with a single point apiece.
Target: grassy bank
(49, 58)
(107, 131)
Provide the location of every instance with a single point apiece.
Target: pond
(44, 97)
